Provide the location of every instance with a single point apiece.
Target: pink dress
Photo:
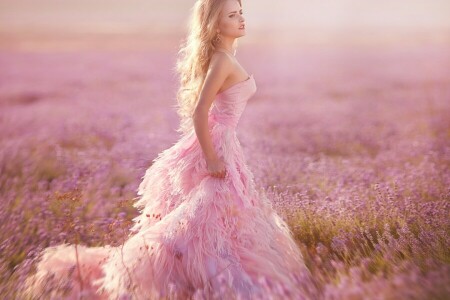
(195, 232)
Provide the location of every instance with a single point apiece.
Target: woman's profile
(203, 229)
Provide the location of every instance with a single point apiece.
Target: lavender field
(351, 143)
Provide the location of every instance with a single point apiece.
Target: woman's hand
(216, 168)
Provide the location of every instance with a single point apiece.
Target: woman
(203, 228)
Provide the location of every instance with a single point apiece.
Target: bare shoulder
(219, 69)
(220, 60)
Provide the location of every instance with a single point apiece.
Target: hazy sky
(282, 17)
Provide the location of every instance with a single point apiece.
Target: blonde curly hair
(194, 57)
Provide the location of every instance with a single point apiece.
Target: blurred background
(348, 131)
(141, 23)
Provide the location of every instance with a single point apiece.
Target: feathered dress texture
(197, 236)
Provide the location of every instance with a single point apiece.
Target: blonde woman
(203, 228)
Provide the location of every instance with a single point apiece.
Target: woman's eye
(235, 14)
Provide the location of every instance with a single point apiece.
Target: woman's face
(231, 21)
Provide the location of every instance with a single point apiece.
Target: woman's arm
(219, 69)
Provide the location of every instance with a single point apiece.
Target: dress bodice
(229, 105)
